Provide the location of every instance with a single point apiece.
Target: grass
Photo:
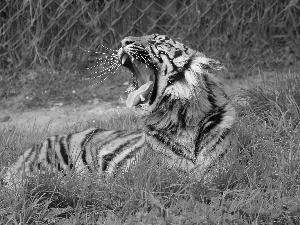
(261, 185)
(44, 87)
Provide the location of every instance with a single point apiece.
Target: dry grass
(260, 187)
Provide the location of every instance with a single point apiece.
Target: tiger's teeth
(142, 98)
(124, 57)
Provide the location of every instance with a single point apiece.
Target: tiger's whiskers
(106, 64)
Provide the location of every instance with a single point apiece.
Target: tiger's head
(172, 84)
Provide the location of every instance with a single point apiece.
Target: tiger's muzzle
(142, 84)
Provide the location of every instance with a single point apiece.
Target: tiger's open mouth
(141, 85)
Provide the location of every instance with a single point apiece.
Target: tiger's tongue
(139, 95)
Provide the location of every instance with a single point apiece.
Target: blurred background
(47, 42)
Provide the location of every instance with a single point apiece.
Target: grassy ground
(42, 87)
(261, 186)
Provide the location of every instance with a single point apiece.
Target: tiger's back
(94, 151)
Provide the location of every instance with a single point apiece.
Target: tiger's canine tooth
(142, 98)
(124, 58)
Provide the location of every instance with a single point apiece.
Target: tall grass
(58, 33)
(260, 185)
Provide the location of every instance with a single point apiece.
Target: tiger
(185, 113)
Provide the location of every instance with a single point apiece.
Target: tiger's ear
(215, 64)
(207, 63)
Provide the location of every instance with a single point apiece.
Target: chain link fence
(60, 33)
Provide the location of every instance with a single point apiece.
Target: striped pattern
(187, 117)
(93, 150)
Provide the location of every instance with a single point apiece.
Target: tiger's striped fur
(186, 116)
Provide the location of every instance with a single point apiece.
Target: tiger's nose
(126, 41)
